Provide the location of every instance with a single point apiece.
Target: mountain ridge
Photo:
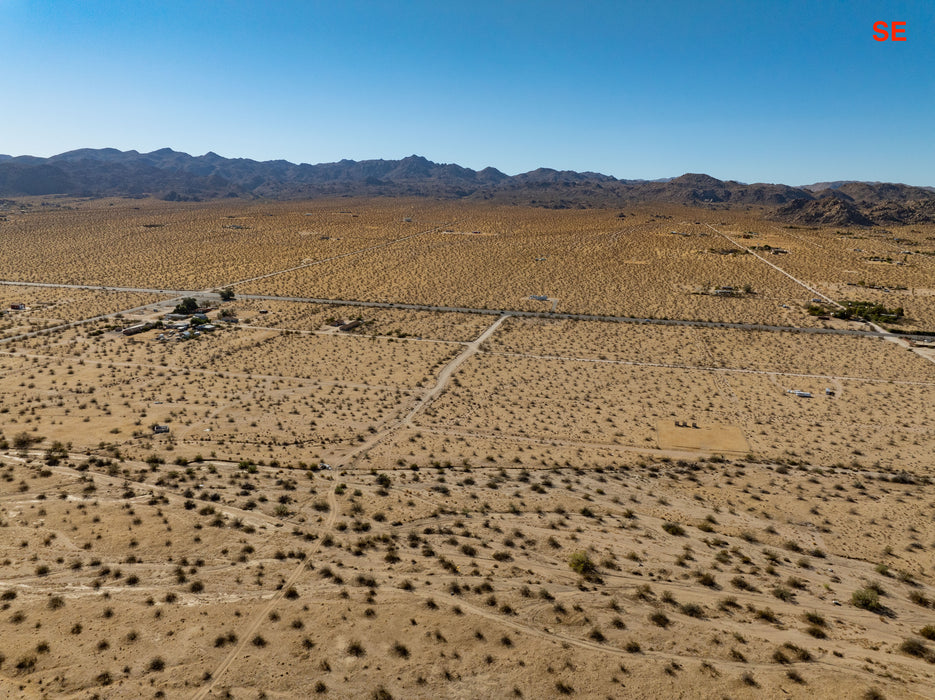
(179, 176)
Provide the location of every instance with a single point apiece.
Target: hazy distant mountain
(179, 176)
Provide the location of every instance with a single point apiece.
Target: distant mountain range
(172, 175)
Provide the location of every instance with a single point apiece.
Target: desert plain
(423, 449)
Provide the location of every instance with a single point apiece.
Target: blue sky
(792, 92)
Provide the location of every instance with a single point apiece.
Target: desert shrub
(795, 676)
(104, 678)
(814, 618)
(580, 562)
(867, 599)
(800, 653)
(767, 615)
(24, 440)
(692, 610)
(26, 664)
(914, 647)
(674, 529)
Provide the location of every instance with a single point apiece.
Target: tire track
(247, 633)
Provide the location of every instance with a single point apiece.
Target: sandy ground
(452, 504)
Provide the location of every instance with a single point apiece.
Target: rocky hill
(827, 211)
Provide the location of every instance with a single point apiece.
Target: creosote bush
(867, 599)
(580, 562)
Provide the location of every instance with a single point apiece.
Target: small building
(138, 328)
(350, 325)
(539, 297)
(158, 429)
(207, 327)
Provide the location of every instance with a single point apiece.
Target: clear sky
(753, 90)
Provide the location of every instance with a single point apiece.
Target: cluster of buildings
(175, 326)
(184, 327)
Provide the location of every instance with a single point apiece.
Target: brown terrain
(455, 448)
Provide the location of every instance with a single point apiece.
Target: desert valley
(419, 447)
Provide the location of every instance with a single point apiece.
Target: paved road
(574, 317)
(178, 293)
